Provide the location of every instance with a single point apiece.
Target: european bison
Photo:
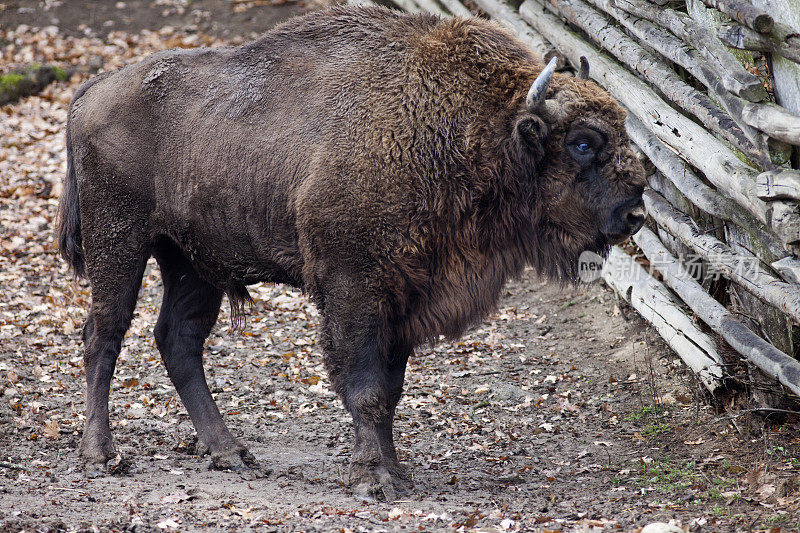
(398, 168)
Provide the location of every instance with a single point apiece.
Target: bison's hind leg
(115, 287)
(189, 311)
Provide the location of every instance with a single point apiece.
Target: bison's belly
(224, 253)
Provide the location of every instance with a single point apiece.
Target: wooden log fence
(765, 356)
(702, 196)
(672, 48)
(744, 270)
(712, 88)
(656, 72)
(736, 79)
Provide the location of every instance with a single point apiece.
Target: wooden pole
(785, 73)
(773, 120)
(782, 41)
(789, 269)
(28, 81)
(745, 13)
(779, 184)
(407, 5)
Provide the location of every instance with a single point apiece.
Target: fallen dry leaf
(51, 429)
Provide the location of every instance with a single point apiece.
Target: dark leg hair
(375, 469)
(114, 297)
(189, 311)
(369, 379)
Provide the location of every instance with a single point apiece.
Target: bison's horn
(583, 71)
(535, 100)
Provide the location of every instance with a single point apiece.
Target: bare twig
(13, 466)
(756, 410)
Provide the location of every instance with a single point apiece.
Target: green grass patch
(672, 479)
(669, 478)
(10, 80)
(61, 74)
(652, 420)
(788, 521)
(648, 413)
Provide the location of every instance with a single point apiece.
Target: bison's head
(590, 182)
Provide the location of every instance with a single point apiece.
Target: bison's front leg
(372, 395)
(369, 379)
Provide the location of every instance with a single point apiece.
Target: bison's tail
(68, 231)
(70, 242)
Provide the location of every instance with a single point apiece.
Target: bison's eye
(582, 151)
(584, 144)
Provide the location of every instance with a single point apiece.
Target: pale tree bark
(659, 307)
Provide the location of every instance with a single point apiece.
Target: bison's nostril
(635, 219)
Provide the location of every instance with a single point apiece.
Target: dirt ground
(561, 412)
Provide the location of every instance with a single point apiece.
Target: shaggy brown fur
(385, 163)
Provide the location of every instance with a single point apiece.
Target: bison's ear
(531, 134)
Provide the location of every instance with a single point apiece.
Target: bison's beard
(558, 259)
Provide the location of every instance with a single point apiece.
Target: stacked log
(712, 88)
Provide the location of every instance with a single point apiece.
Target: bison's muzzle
(625, 219)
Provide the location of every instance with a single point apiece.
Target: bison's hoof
(236, 460)
(98, 459)
(94, 469)
(98, 467)
(379, 482)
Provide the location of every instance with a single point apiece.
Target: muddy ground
(561, 412)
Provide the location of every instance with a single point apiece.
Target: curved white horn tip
(539, 87)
